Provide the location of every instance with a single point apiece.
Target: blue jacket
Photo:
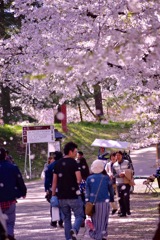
(49, 176)
(11, 182)
(105, 192)
(157, 172)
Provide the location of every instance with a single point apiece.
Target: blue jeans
(10, 222)
(67, 206)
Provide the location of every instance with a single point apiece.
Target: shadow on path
(33, 219)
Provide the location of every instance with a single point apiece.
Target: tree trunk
(98, 102)
(84, 100)
(80, 112)
(2, 25)
(5, 92)
(6, 105)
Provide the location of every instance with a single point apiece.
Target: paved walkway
(33, 219)
(144, 161)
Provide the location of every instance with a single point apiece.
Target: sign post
(36, 134)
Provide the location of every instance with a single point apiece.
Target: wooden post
(64, 120)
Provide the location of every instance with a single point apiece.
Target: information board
(38, 134)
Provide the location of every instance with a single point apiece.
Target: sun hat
(97, 166)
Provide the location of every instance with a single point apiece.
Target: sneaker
(73, 234)
(54, 225)
(11, 237)
(114, 211)
(129, 213)
(89, 224)
(119, 212)
(61, 225)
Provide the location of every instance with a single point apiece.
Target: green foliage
(68, 69)
(39, 77)
(9, 23)
(18, 116)
(83, 133)
(10, 138)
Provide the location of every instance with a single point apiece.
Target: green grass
(81, 133)
(85, 133)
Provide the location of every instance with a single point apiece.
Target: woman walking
(100, 192)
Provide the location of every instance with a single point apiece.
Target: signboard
(38, 134)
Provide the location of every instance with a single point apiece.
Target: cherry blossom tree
(66, 43)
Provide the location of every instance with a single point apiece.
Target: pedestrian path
(33, 219)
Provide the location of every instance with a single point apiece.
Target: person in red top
(11, 187)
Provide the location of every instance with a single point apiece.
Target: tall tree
(8, 24)
(5, 94)
(79, 41)
(2, 28)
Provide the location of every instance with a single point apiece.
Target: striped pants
(100, 221)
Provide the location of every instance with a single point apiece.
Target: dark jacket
(49, 176)
(11, 182)
(82, 164)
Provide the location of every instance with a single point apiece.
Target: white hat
(97, 166)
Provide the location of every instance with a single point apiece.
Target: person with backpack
(48, 185)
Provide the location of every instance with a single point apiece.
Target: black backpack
(126, 156)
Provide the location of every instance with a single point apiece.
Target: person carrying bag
(89, 206)
(99, 192)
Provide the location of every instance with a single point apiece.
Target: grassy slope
(85, 133)
(81, 133)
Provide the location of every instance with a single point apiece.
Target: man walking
(66, 179)
(11, 187)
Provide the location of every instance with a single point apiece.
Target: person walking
(48, 185)
(66, 180)
(120, 168)
(82, 163)
(100, 192)
(109, 171)
(84, 168)
(12, 186)
(3, 230)
(49, 160)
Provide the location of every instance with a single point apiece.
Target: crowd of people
(70, 179)
(71, 183)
